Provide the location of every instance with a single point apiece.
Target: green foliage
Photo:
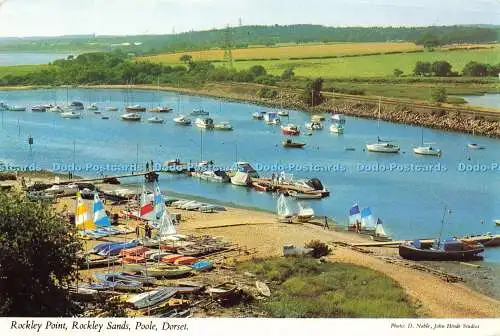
(320, 249)
(476, 69)
(288, 74)
(429, 41)
(441, 68)
(439, 95)
(266, 92)
(186, 58)
(37, 257)
(397, 72)
(307, 288)
(257, 71)
(422, 69)
(312, 94)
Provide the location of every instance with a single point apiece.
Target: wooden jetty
(146, 174)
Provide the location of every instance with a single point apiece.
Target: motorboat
(312, 185)
(112, 108)
(92, 107)
(182, 120)
(71, 115)
(241, 179)
(224, 126)
(258, 115)
(263, 186)
(212, 176)
(290, 129)
(199, 112)
(57, 109)
(337, 128)
(156, 120)
(245, 167)
(306, 195)
(135, 108)
(318, 118)
(475, 146)
(131, 117)
(383, 147)
(291, 144)
(272, 118)
(283, 113)
(314, 125)
(38, 108)
(427, 150)
(207, 123)
(76, 105)
(161, 109)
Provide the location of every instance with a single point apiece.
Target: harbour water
(7, 59)
(487, 100)
(408, 192)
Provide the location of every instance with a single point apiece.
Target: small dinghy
(263, 288)
(156, 120)
(292, 144)
(222, 291)
(152, 298)
(202, 265)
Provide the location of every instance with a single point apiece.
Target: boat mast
(442, 225)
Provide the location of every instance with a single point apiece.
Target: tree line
(444, 69)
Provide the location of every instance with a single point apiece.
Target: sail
(159, 202)
(367, 220)
(354, 214)
(146, 205)
(305, 210)
(100, 216)
(283, 207)
(166, 227)
(82, 218)
(379, 230)
(339, 119)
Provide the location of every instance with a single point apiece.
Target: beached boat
(131, 117)
(290, 129)
(262, 288)
(161, 109)
(272, 118)
(305, 212)
(314, 126)
(223, 126)
(152, 298)
(156, 120)
(380, 234)
(337, 128)
(166, 271)
(71, 115)
(449, 250)
(263, 186)
(258, 115)
(182, 120)
(124, 276)
(285, 209)
(202, 265)
(207, 123)
(222, 292)
(199, 112)
(362, 221)
(292, 144)
(135, 108)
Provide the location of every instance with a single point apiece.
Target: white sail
(367, 219)
(379, 230)
(283, 207)
(166, 227)
(305, 210)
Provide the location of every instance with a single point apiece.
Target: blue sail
(100, 217)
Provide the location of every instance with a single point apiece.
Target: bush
(320, 249)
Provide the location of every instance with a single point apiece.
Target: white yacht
(182, 120)
(205, 123)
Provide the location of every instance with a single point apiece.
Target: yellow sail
(83, 220)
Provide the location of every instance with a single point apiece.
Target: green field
(20, 70)
(374, 66)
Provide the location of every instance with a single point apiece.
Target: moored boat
(161, 109)
(337, 128)
(76, 105)
(156, 120)
(241, 179)
(314, 125)
(292, 144)
(135, 108)
(258, 115)
(182, 120)
(16, 108)
(131, 117)
(222, 291)
(449, 250)
(199, 112)
(383, 147)
(308, 195)
(112, 109)
(38, 108)
(283, 113)
(71, 115)
(272, 118)
(207, 123)
(475, 146)
(92, 107)
(223, 126)
(263, 288)
(427, 150)
(262, 186)
(290, 129)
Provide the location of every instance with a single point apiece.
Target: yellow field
(291, 51)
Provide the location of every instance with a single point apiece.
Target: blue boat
(102, 246)
(117, 248)
(124, 276)
(202, 265)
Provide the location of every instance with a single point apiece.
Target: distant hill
(251, 35)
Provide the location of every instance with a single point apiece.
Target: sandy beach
(261, 231)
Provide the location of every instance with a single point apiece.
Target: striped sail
(100, 216)
(146, 206)
(159, 203)
(82, 217)
(166, 226)
(367, 220)
(354, 214)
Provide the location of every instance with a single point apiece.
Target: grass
(306, 288)
(374, 65)
(292, 51)
(20, 70)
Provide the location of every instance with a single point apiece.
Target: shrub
(320, 249)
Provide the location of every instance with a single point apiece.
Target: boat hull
(382, 148)
(412, 253)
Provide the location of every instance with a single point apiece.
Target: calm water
(487, 100)
(29, 58)
(410, 203)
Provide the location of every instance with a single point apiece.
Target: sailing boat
(380, 234)
(101, 219)
(284, 209)
(82, 218)
(382, 146)
(426, 148)
(354, 218)
(367, 222)
(160, 109)
(281, 112)
(474, 145)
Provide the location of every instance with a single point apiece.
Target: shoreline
(478, 120)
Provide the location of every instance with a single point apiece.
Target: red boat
(290, 129)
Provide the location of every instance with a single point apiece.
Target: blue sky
(125, 17)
